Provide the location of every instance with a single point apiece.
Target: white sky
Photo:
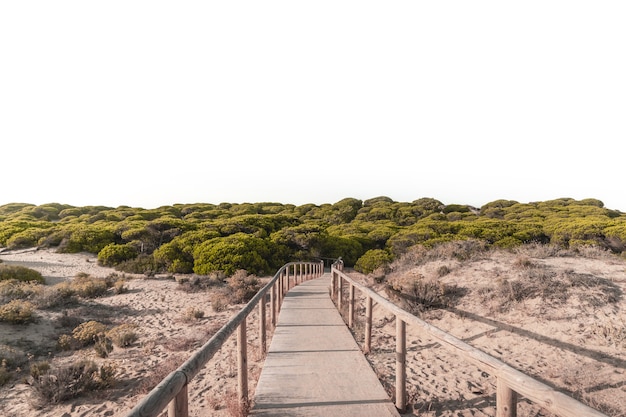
(149, 103)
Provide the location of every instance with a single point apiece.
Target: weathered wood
(273, 305)
(332, 284)
(179, 406)
(262, 327)
(400, 365)
(339, 291)
(506, 400)
(368, 325)
(242, 364)
(166, 391)
(351, 307)
(535, 391)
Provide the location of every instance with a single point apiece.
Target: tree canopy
(260, 237)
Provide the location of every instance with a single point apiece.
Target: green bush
(372, 260)
(87, 238)
(19, 273)
(228, 254)
(114, 254)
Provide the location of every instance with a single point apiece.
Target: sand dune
(577, 345)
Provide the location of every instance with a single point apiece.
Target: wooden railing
(172, 391)
(510, 381)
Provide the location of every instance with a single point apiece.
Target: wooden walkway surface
(314, 366)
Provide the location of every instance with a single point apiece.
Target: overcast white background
(150, 103)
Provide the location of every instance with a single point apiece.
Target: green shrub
(372, 260)
(17, 312)
(230, 253)
(114, 254)
(19, 273)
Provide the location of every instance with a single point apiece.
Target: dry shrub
(220, 299)
(539, 251)
(17, 312)
(19, 290)
(87, 286)
(552, 287)
(196, 283)
(424, 294)
(523, 262)
(88, 332)
(243, 286)
(123, 335)
(460, 250)
(5, 374)
(192, 314)
(236, 407)
(57, 385)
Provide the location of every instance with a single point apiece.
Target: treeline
(261, 237)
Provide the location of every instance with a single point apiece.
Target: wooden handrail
(172, 389)
(510, 381)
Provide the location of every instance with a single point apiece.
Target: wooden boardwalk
(314, 366)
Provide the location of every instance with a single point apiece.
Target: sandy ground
(166, 340)
(577, 345)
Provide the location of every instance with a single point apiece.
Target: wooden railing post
(333, 283)
(179, 406)
(339, 291)
(506, 400)
(242, 364)
(400, 364)
(273, 305)
(262, 332)
(368, 325)
(351, 307)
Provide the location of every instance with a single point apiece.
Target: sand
(577, 346)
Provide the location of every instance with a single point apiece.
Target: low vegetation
(261, 237)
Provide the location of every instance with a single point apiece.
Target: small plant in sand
(192, 314)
